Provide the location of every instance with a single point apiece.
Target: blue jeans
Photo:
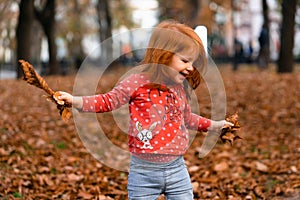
(147, 180)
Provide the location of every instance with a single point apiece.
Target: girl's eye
(184, 60)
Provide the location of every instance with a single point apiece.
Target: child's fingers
(228, 123)
(64, 96)
(56, 97)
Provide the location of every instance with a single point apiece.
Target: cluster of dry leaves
(42, 157)
(33, 78)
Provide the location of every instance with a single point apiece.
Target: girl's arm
(197, 122)
(109, 101)
(96, 103)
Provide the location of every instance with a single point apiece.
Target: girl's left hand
(218, 125)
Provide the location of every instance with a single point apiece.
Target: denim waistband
(140, 163)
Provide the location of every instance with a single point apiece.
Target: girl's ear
(152, 126)
(139, 126)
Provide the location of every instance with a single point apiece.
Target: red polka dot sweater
(159, 118)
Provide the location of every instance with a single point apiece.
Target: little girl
(159, 112)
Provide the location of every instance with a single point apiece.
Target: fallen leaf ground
(41, 157)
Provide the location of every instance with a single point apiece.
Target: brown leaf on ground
(43, 158)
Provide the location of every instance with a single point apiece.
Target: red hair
(167, 39)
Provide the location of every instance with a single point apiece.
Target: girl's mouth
(183, 74)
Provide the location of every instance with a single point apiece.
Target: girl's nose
(190, 67)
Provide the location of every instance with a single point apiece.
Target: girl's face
(181, 65)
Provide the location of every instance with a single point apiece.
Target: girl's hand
(218, 125)
(68, 98)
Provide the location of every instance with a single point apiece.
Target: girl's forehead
(190, 53)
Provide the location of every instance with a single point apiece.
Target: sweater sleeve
(118, 96)
(194, 121)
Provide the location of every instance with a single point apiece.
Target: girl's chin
(179, 79)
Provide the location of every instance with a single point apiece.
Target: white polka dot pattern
(169, 108)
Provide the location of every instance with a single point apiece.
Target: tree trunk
(191, 12)
(265, 13)
(264, 39)
(105, 24)
(24, 32)
(183, 11)
(77, 49)
(286, 58)
(47, 19)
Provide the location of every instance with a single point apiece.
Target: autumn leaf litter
(42, 157)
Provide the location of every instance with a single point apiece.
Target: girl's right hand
(66, 97)
(75, 101)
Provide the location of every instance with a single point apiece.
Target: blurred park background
(57, 35)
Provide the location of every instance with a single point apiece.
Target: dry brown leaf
(229, 133)
(223, 166)
(259, 191)
(85, 195)
(261, 167)
(33, 78)
(194, 168)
